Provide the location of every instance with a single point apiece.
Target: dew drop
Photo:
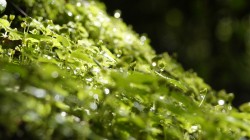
(138, 106)
(37, 92)
(96, 96)
(123, 112)
(121, 70)
(9, 52)
(161, 97)
(180, 104)
(100, 17)
(93, 106)
(78, 17)
(54, 74)
(91, 93)
(89, 79)
(153, 107)
(128, 39)
(114, 114)
(108, 56)
(96, 70)
(221, 102)
(48, 57)
(118, 55)
(76, 71)
(106, 91)
(78, 4)
(114, 30)
(59, 118)
(154, 64)
(58, 98)
(40, 93)
(202, 97)
(194, 128)
(76, 119)
(103, 80)
(63, 114)
(97, 23)
(69, 13)
(143, 39)
(117, 14)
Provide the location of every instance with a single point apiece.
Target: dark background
(211, 37)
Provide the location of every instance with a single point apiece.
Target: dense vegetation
(70, 71)
(209, 36)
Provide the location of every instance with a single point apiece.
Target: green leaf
(4, 23)
(63, 40)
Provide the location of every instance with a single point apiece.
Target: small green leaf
(63, 40)
(4, 23)
(245, 107)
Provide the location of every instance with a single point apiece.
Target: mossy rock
(70, 71)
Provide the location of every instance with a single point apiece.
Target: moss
(73, 72)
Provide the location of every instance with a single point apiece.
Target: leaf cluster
(77, 73)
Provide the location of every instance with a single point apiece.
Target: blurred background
(210, 37)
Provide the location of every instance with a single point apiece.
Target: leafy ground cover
(70, 71)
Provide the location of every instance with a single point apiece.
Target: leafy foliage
(77, 73)
(210, 37)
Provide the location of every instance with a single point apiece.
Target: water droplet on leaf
(194, 128)
(96, 70)
(153, 107)
(69, 13)
(128, 39)
(37, 92)
(93, 106)
(59, 118)
(54, 74)
(154, 64)
(138, 106)
(76, 119)
(63, 114)
(117, 14)
(221, 102)
(123, 111)
(161, 97)
(106, 91)
(143, 39)
(76, 71)
(58, 98)
(96, 97)
(78, 4)
(89, 79)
